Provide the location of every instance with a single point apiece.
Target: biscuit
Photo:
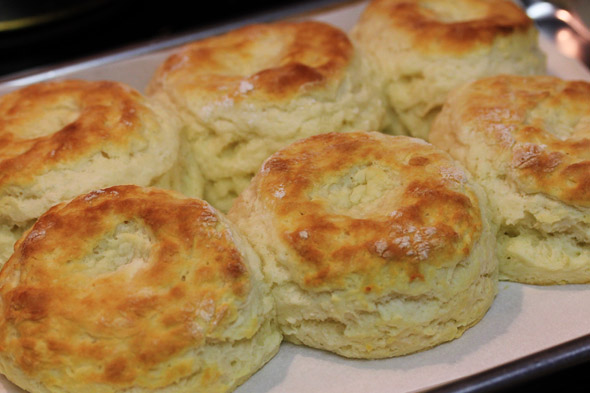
(527, 142)
(247, 93)
(424, 48)
(131, 289)
(375, 245)
(62, 139)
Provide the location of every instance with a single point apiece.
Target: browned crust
(517, 113)
(429, 30)
(276, 60)
(427, 220)
(109, 115)
(54, 314)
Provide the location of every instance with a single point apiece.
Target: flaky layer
(130, 288)
(423, 49)
(245, 94)
(370, 240)
(62, 139)
(526, 141)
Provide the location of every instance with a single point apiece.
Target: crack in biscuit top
(541, 126)
(48, 124)
(148, 275)
(450, 25)
(278, 60)
(370, 206)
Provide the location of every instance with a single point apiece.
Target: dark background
(46, 33)
(40, 34)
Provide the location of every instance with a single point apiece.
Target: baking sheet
(523, 320)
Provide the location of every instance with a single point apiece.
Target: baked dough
(375, 245)
(245, 94)
(422, 49)
(527, 142)
(131, 289)
(61, 139)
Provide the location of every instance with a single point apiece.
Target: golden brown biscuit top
(118, 282)
(277, 60)
(370, 206)
(540, 125)
(54, 123)
(450, 25)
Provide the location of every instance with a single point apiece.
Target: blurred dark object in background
(37, 33)
(565, 23)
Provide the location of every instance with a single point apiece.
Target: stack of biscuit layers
(338, 236)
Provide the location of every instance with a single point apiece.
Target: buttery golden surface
(133, 288)
(539, 127)
(350, 226)
(55, 123)
(527, 140)
(245, 94)
(449, 25)
(422, 49)
(401, 205)
(61, 139)
(302, 55)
